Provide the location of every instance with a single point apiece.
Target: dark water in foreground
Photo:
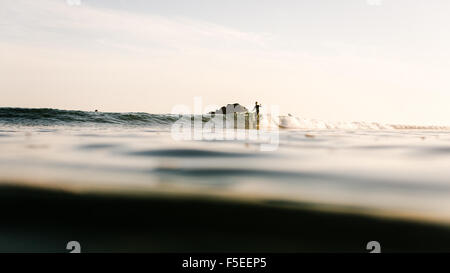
(121, 182)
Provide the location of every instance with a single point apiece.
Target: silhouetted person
(257, 108)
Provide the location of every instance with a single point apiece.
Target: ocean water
(370, 169)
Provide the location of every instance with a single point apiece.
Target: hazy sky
(368, 60)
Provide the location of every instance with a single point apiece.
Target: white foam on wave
(292, 122)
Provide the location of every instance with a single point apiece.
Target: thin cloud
(56, 23)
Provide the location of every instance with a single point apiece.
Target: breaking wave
(44, 116)
(55, 117)
(291, 122)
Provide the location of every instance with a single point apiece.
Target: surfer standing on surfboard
(257, 114)
(257, 108)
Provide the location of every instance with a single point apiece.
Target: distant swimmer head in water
(96, 110)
